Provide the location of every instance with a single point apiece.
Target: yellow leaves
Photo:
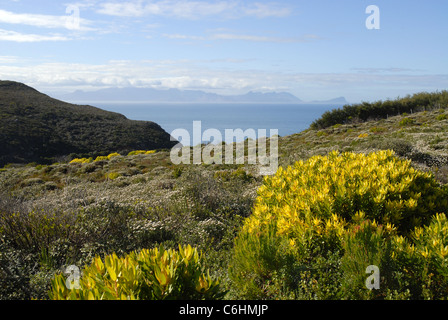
(109, 156)
(189, 255)
(316, 222)
(379, 198)
(148, 274)
(269, 194)
(425, 253)
(323, 198)
(444, 251)
(394, 206)
(137, 152)
(111, 265)
(202, 284)
(82, 160)
(294, 186)
(411, 203)
(101, 158)
(363, 135)
(363, 188)
(162, 275)
(292, 243)
(418, 233)
(90, 296)
(306, 186)
(390, 228)
(279, 197)
(283, 226)
(113, 175)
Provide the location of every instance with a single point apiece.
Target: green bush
(422, 260)
(113, 175)
(34, 230)
(377, 130)
(263, 267)
(155, 274)
(406, 122)
(366, 244)
(177, 172)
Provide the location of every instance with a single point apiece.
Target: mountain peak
(13, 85)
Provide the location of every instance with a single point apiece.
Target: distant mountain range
(176, 95)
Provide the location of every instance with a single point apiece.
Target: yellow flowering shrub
(429, 252)
(136, 152)
(382, 186)
(82, 160)
(150, 274)
(113, 175)
(432, 241)
(312, 208)
(110, 156)
(101, 158)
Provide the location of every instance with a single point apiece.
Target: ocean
(286, 118)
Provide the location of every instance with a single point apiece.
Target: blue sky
(316, 50)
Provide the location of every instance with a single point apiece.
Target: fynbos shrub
(312, 205)
(155, 274)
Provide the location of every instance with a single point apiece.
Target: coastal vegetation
(364, 111)
(349, 193)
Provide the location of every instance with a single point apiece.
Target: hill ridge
(37, 128)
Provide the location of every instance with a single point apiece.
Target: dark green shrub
(34, 230)
(406, 122)
(366, 244)
(177, 172)
(422, 260)
(381, 109)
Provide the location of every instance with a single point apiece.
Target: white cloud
(126, 9)
(179, 9)
(192, 9)
(9, 59)
(38, 20)
(243, 37)
(42, 20)
(216, 77)
(183, 37)
(386, 70)
(254, 38)
(264, 10)
(6, 35)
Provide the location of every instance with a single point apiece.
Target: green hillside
(421, 137)
(422, 101)
(37, 128)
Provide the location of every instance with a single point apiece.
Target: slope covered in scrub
(37, 128)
